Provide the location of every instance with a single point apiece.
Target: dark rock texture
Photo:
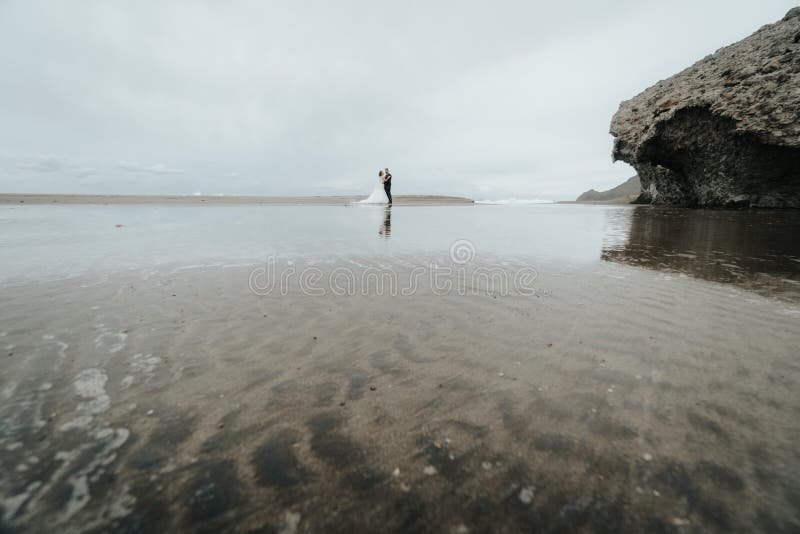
(726, 131)
(624, 192)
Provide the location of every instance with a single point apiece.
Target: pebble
(150, 412)
(679, 521)
(526, 495)
(291, 520)
(169, 468)
(396, 472)
(372, 388)
(501, 374)
(429, 470)
(405, 487)
(486, 466)
(647, 456)
(656, 493)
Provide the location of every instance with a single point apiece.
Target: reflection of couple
(386, 228)
(382, 194)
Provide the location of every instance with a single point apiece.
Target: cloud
(45, 163)
(156, 169)
(338, 186)
(54, 164)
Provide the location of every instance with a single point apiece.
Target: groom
(387, 184)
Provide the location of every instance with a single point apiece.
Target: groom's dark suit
(387, 186)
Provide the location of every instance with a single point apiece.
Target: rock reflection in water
(756, 250)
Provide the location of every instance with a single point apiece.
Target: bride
(378, 195)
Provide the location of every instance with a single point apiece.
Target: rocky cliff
(624, 192)
(726, 131)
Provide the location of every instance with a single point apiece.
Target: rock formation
(627, 191)
(726, 131)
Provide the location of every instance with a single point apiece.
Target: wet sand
(399, 200)
(612, 399)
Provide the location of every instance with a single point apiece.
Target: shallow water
(87, 237)
(648, 382)
(758, 250)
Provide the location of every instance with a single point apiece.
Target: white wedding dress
(378, 195)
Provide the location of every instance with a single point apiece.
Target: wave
(516, 201)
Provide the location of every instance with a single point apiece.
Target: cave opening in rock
(699, 158)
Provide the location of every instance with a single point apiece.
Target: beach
(222, 200)
(349, 389)
(221, 311)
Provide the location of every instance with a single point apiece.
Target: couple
(382, 194)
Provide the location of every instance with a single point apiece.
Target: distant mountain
(624, 192)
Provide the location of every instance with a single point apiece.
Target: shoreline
(199, 200)
(612, 202)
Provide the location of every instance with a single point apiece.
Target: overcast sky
(485, 99)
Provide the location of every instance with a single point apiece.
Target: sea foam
(515, 201)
